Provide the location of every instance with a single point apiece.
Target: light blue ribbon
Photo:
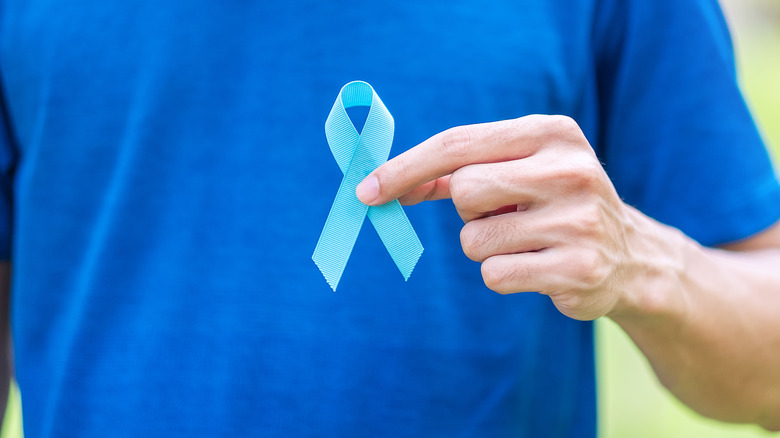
(358, 155)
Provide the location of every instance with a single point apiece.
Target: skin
(541, 215)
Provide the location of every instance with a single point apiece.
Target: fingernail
(368, 189)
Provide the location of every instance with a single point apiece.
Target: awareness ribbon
(358, 154)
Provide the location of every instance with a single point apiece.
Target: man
(170, 177)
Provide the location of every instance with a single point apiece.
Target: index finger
(454, 148)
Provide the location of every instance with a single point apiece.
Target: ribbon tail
(397, 234)
(340, 232)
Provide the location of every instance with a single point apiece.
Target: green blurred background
(632, 403)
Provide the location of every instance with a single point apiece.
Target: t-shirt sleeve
(7, 165)
(675, 135)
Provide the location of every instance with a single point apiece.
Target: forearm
(542, 215)
(708, 321)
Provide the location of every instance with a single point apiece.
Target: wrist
(652, 278)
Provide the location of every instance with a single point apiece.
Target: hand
(540, 212)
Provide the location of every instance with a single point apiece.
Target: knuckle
(581, 177)
(589, 222)
(566, 124)
(592, 173)
(462, 187)
(560, 126)
(457, 186)
(456, 142)
(588, 271)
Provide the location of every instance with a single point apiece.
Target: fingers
(480, 189)
(450, 150)
(551, 272)
(430, 191)
(573, 279)
(525, 272)
(509, 233)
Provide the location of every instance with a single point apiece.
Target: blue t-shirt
(166, 178)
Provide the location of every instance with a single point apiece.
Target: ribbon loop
(358, 155)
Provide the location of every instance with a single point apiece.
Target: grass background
(632, 403)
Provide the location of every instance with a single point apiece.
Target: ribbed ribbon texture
(358, 154)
